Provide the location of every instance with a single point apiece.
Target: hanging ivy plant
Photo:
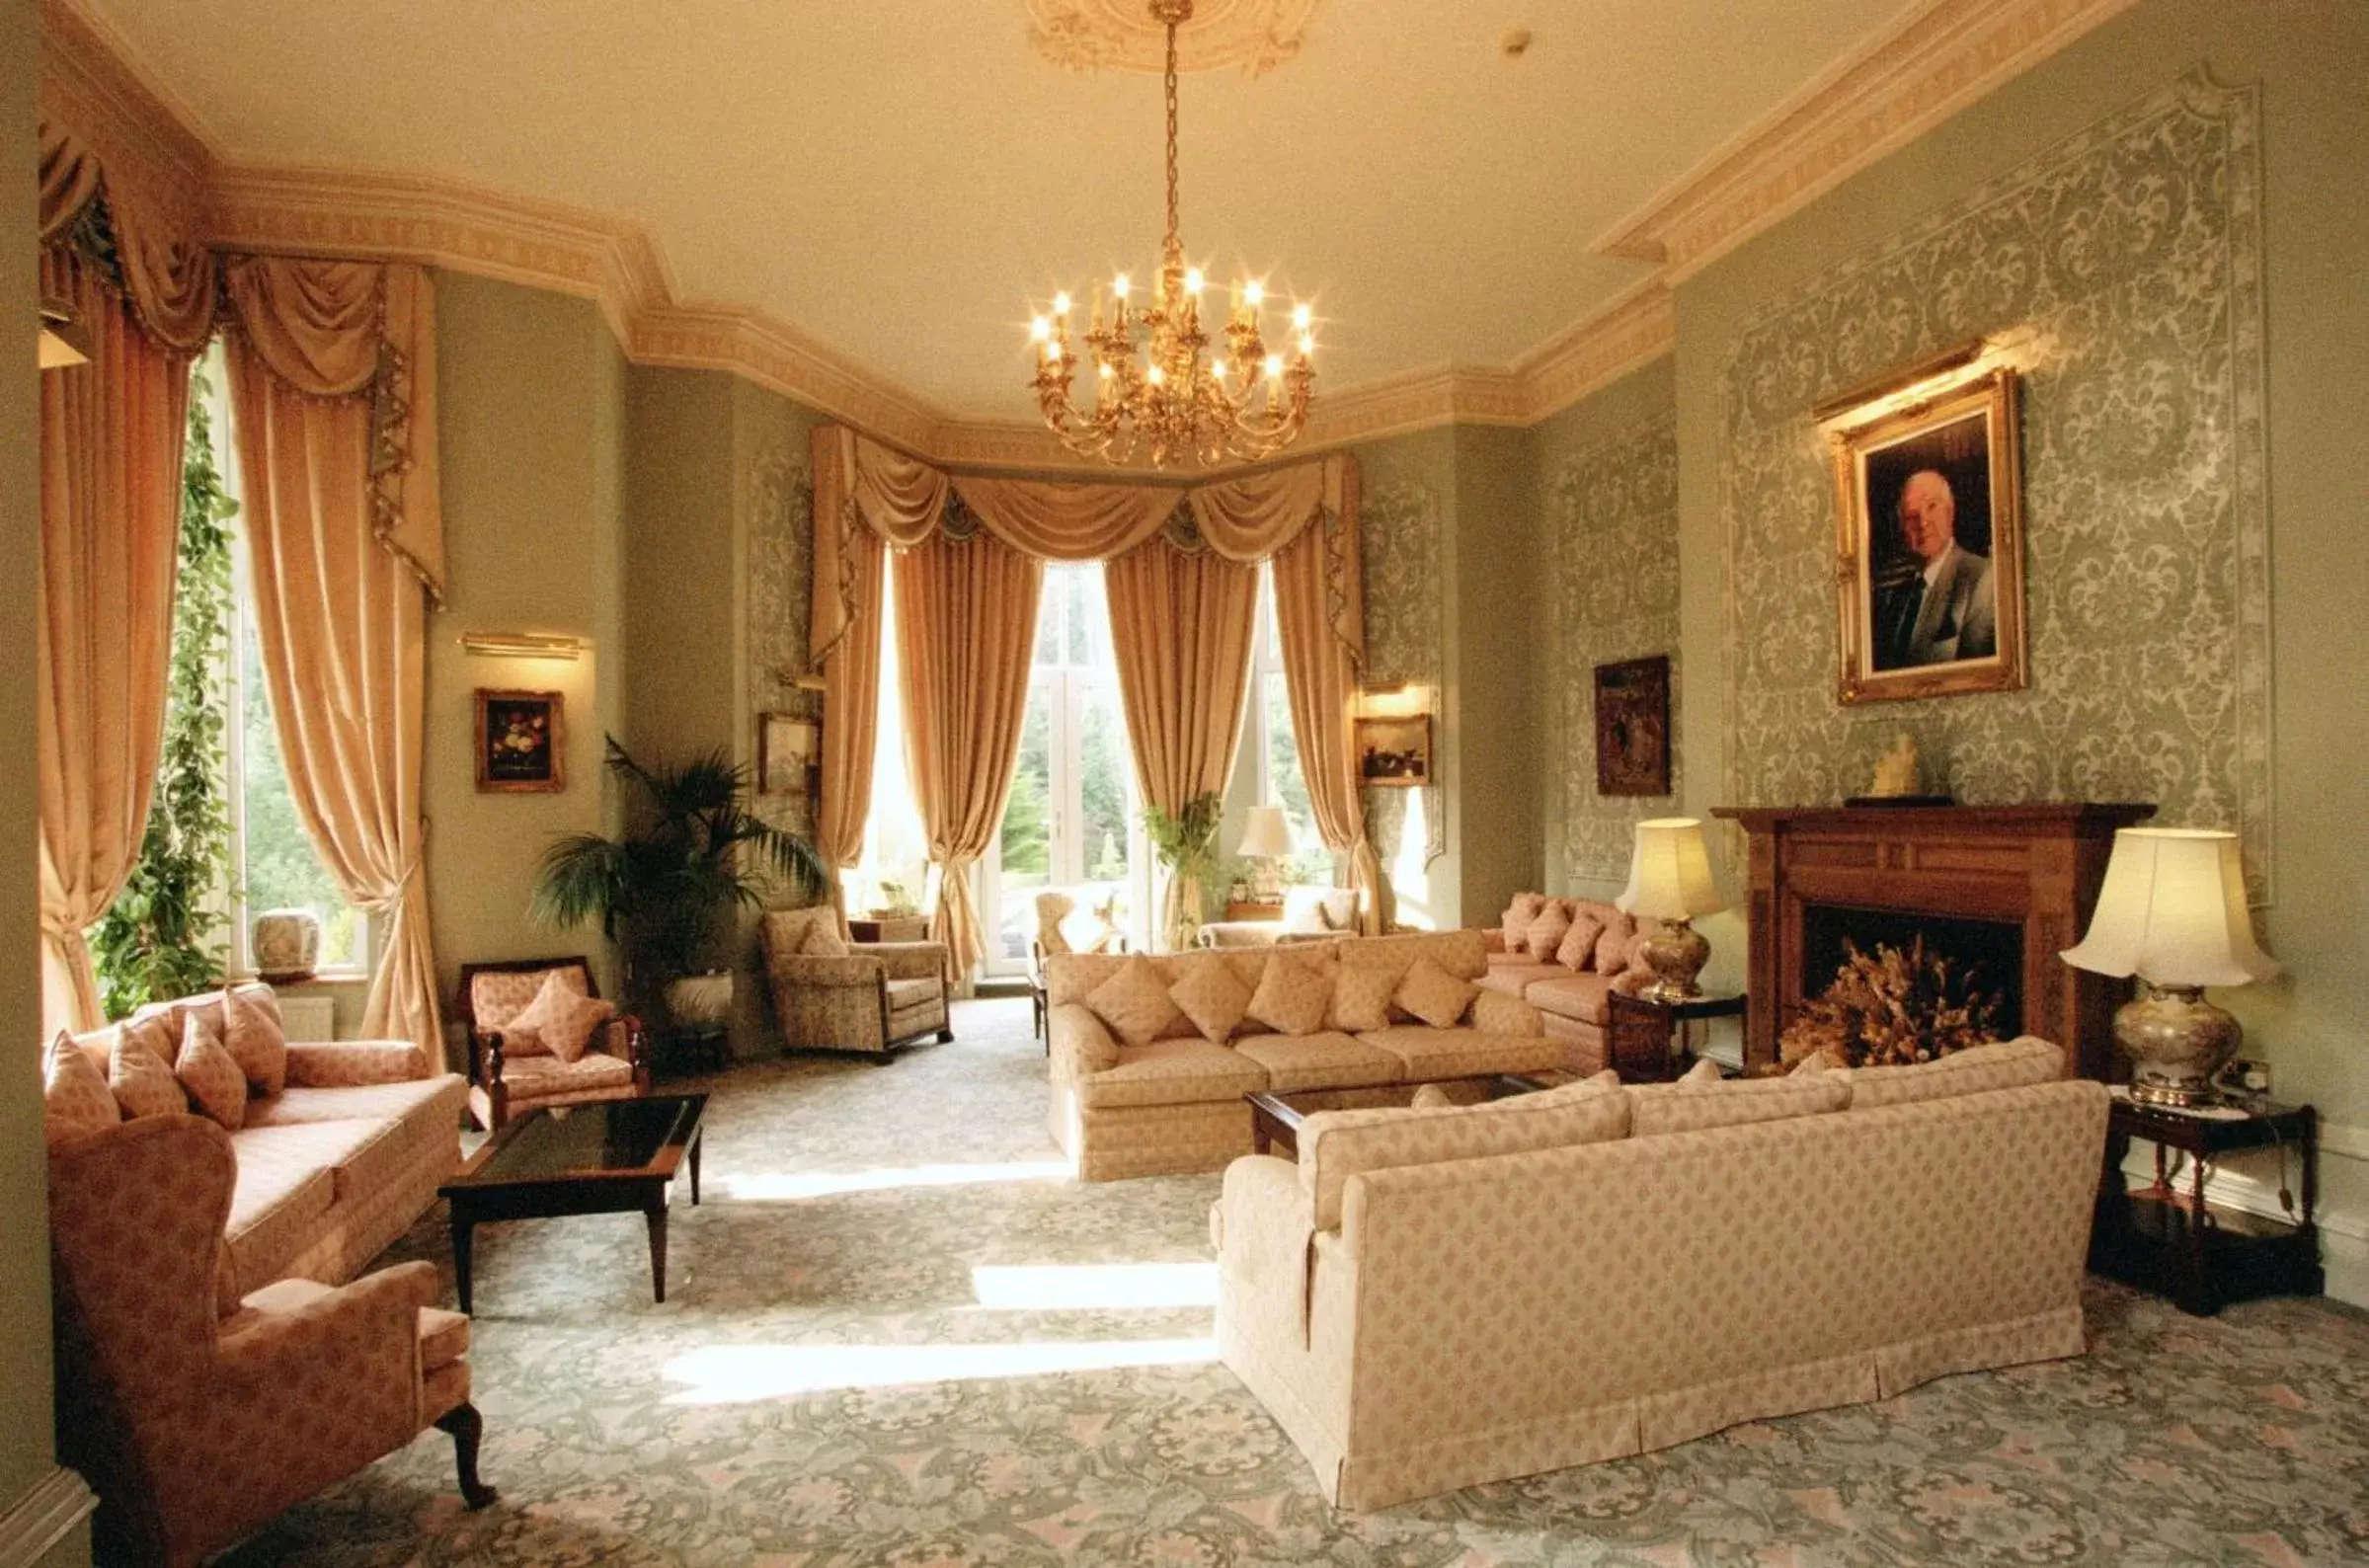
(161, 938)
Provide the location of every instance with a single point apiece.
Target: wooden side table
(2205, 1256)
(1250, 909)
(888, 928)
(1642, 1038)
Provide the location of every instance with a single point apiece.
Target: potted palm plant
(664, 890)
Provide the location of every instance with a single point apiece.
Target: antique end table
(1646, 1041)
(2202, 1255)
(610, 1157)
(1275, 1118)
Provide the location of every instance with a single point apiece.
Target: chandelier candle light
(1247, 404)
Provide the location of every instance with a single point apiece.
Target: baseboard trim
(43, 1517)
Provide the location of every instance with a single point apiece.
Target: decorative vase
(700, 1000)
(287, 945)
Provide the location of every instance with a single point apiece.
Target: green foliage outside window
(161, 938)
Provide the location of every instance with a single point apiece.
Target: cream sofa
(1570, 998)
(338, 1164)
(1431, 1299)
(1176, 1104)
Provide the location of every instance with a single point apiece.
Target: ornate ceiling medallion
(1118, 36)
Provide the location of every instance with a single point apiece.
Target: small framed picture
(522, 742)
(1929, 548)
(789, 754)
(1633, 727)
(1395, 752)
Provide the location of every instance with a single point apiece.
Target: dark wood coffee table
(610, 1157)
(1275, 1118)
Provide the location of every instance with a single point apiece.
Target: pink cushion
(75, 1099)
(215, 1082)
(561, 1016)
(253, 1034)
(1546, 931)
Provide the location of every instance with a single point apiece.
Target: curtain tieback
(395, 894)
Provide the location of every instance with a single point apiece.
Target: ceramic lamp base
(1676, 955)
(2175, 1042)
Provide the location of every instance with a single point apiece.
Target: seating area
(760, 831)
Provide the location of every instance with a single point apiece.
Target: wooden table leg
(464, 1227)
(467, 1428)
(655, 1214)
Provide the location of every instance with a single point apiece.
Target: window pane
(281, 870)
(1106, 799)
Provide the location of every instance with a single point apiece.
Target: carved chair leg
(466, 1427)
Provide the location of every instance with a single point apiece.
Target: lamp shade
(1266, 833)
(1670, 872)
(2172, 912)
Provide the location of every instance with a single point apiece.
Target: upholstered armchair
(1063, 927)
(512, 1070)
(1309, 915)
(833, 994)
(198, 1416)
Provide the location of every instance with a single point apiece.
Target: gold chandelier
(1151, 384)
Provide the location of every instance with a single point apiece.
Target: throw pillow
(1135, 1002)
(1430, 1097)
(823, 938)
(75, 1099)
(1208, 994)
(1614, 946)
(562, 1017)
(216, 1084)
(255, 1038)
(143, 1085)
(1578, 947)
(155, 1030)
(1434, 996)
(1293, 994)
(1361, 996)
(1547, 928)
(1515, 922)
(1704, 1071)
(1810, 1065)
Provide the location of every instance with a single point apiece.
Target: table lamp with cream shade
(1670, 880)
(2173, 912)
(1266, 839)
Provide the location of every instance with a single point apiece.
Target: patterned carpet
(894, 1335)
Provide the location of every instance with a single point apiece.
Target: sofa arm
(342, 1063)
(1496, 1013)
(1265, 1233)
(907, 960)
(1493, 940)
(1079, 1043)
(356, 1346)
(813, 969)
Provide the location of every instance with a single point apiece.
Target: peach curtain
(1319, 605)
(325, 355)
(1181, 626)
(112, 434)
(966, 630)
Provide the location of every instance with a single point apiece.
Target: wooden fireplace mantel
(2037, 866)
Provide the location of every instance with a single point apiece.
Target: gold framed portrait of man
(1930, 545)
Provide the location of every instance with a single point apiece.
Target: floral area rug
(894, 1334)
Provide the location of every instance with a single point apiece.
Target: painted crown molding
(1936, 60)
(1120, 35)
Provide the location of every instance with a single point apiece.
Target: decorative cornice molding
(42, 1516)
(1939, 60)
(1933, 63)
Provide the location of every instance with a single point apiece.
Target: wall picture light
(520, 645)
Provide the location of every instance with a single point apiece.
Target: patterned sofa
(334, 1167)
(1431, 1299)
(1170, 1099)
(1564, 957)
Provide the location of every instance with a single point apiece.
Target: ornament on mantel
(1896, 779)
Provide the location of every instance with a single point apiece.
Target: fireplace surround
(2007, 887)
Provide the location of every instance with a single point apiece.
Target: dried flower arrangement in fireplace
(1895, 1007)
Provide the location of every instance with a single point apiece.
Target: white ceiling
(901, 179)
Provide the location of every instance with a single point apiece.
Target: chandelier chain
(1173, 240)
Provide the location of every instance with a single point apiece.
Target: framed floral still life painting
(1929, 542)
(521, 741)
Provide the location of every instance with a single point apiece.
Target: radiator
(310, 1017)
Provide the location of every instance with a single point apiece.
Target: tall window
(1276, 744)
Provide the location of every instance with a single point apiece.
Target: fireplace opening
(1989, 952)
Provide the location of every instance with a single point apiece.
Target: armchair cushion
(906, 960)
(562, 1017)
(254, 1037)
(909, 993)
(75, 1099)
(540, 1077)
(215, 1082)
(801, 969)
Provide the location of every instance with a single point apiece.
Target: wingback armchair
(511, 1072)
(835, 994)
(198, 1416)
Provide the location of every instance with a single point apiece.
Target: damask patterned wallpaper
(778, 490)
(1404, 585)
(2126, 264)
(1613, 512)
